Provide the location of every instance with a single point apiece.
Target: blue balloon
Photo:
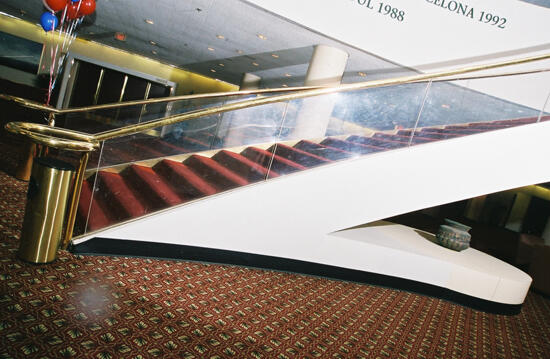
(75, 0)
(48, 21)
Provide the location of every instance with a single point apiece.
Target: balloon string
(52, 55)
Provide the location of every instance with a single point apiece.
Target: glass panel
(545, 112)
(146, 172)
(103, 120)
(459, 108)
(324, 129)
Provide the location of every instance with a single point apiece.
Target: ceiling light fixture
(255, 64)
(210, 48)
(212, 70)
(362, 74)
(288, 75)
(275, 56)
(262, 37)
(285, 85)
(154, 52)
(221, 37)
(153, 43)
(240, 51)
(149, 21)
(222, 65)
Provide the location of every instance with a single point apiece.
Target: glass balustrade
(142, 173)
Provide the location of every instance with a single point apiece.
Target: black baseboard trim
(130, 248)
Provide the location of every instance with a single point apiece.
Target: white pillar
(326, 68)
(250, 81)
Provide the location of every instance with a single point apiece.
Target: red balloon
(72, 11)
(87, 7)
(56, 5)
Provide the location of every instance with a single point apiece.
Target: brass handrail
(302, 92)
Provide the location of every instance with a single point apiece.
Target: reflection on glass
(459, 108)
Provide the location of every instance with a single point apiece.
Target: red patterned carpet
(101, 307)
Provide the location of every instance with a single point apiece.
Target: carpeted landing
(101, 307)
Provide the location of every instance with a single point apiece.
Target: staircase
(134, 190)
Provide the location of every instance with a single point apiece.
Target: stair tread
(183, 180)
(273, 162)
(243, 166)
(297, 155)
(157, 193)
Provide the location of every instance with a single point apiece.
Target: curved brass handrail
(55, 137)
(446, 75)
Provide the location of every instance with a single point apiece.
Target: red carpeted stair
(141, 189)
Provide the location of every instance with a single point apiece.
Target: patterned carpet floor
(105, 307)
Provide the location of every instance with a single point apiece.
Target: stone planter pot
(455, 237)
(456, 224)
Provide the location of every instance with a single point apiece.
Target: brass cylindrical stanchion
(49, 187)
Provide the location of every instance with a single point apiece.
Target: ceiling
(218, 38)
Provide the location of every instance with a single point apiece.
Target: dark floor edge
(130, 248)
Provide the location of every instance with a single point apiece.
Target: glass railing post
(74, 199)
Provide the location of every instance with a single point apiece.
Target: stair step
(351, 146)
(330, 153)
(214, 173)
(155, 191)
(378, 142)
(160, 146)
(266, 159)
(116, 194)
(400, 138)
(304, 158)
(185, 182)
(242, 166)
(94, 214)
(193, 144)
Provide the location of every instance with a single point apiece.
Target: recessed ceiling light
(221, 37)
(153, 43)
(255, 64)
(154, 52)
(212, 70)
(362, 74)
(210, 48)
(288, 75)
(285, 85)
(220, 64)
(149, 21)
(262, 37)
(275, 56)
(240, 51)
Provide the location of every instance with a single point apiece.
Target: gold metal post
(44, 215)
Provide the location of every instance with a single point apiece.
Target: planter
(453, 237)
(456, 224)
